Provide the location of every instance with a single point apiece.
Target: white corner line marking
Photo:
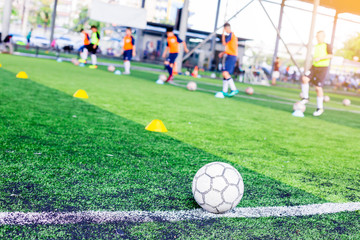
(24, 218)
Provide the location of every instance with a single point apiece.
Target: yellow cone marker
(22, 75)
(156, 125)
(0, 65)
(81, 94)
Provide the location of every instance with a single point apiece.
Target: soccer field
(62, 154)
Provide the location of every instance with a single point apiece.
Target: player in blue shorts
(231, 50)
(129, 50)
(173, 49)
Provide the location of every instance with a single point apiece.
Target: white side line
(21, 218)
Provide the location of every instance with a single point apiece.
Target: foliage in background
(351, 48)
(84, 21)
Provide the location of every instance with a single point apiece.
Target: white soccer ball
(191, 86)
(187, 73)
(111, 68)
(326, 99)
(75, 61)
(162, 77)
(159, 81)
(298, 106)
(117, 72)
(213, 75)
(346, 102)
(249, 91)
(218, 187)
(219, 95)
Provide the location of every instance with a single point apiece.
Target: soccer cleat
(82, 60)
(170, 79)
(304, 101)
(233, 93)
(93, 66)
(225, 94)
(318, 112)
(126, 73)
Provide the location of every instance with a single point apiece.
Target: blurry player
(173, 49)
(93, 46)
(129, 50)
(276, 71)
(231, 50)
(317, 74)
(84, 49)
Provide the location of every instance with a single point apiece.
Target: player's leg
(229, 69)
(127, 58)
(169, 64)
(273, 80)
(275, 76)
(93, 58)
(170, 70)
(225, 83)
(127, 67)
(129, 62)
(84, 54)
(319, 101)
(320, 80)
(305, 86)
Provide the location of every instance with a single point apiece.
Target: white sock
(320, 102)
(127, 66)
(305, 90)
(93, 59)
(232, 84)
(225, 86)
(84, 54)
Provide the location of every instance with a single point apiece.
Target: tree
(40, 13)
(83, 20)
(351, 48)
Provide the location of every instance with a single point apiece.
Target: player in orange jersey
(129, 50)
(231, 50)
(173, 49)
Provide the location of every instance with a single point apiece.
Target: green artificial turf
(332, 226)
(318, 155)
(62, 154)
(59, 153)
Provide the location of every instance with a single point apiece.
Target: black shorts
(91, 48)
(317, 75)
(127, 55)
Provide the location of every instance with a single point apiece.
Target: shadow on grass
(59, 153)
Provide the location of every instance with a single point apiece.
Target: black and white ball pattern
(218, 187)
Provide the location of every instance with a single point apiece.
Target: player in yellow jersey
(318, 72)
(93, 46)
